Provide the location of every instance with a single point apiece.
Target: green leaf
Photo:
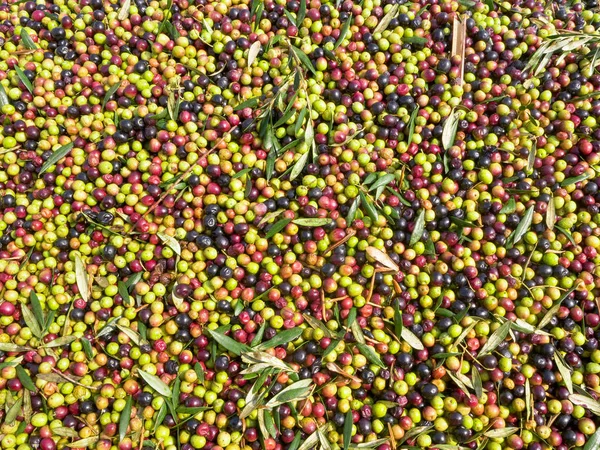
(449, 130)
(352, 211)
(418, 230)
(369, 352)
(523, 226)
(382, 181)
(398, 325)
(565, 372)
(296, 391)
(24, 79)
(27, 41)
(230, 344)
(552, 311)
(510, 207)
(87, 348)
(10, 347)
(343, 32)
(477, 383)
(348, 429)
(385, 21)
(84, 443)
(259, 335)
(370, 178)
(567, 234)
(25, 379)
(296, 442)
(300, 120)
(277, 227)
(317, 324)
(299, 166)
(65, 432)
(412, 123)
(31, 322)
(531, 158)
(371, 211)
(3, 97)
(250, 103)
(82, 278)
(331, 347)
(569, 181)
(160, 416)
(56, 157)
(501, 432)
(316, 222)
(61, 341)
(417, 40)
(13, 411)
(304, 59)
(282, 338)
(111, 91)
(496, 338)
(37, 307)
(593, 442)
(411, 339)
(124, 293)
(170, 242)
(270, 423)
(301, 12)
(125, 418)
(156, 383)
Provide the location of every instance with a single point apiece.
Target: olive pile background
(298, 224)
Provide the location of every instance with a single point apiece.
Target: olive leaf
(531, 157)
(371, 211)
(382, 258)
(449, 130)
(477, 383)
(569, 181)
(301, 12)
(411, 339)
(259, 335)
(259, 361)
(282, 338)
(132, 335)
(170, 242)
(125, 419)
(418, 230)
(56, 157)
(299, 166)
(3, 97)
(317, 324)
(552, 311)
(464, 333)
(277, 227)
(27, 41)
(565, 372)
(311, 442)
(551, 214)
(342, 35)
(25, 379)
(316, 222)
(87, 348)
(160, 416)
(13, 411)
(593, 442)
(254, 396)
(177, 300)
(587, 402)
(230, 344)
(501, 432)
(36, 306)
(24, 79)
(348, 420)
(27, 408)
(385, 21)
(250, 103)
(124, 293)
(332, 367)
(11, 348)
(61, 341)
(296, 391)
(122, 15)
(523, 226)
(156, 383)
(369, 352)
(352, 211)
(496, 338)
(411, 124)
(31, 322)
(82, 279)
(253, 52)
(373, 444)
(461, 381)
(84, 443)
(567, 234)
(303, 59)
(382, 182)
(65, 432)
(528, 405)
